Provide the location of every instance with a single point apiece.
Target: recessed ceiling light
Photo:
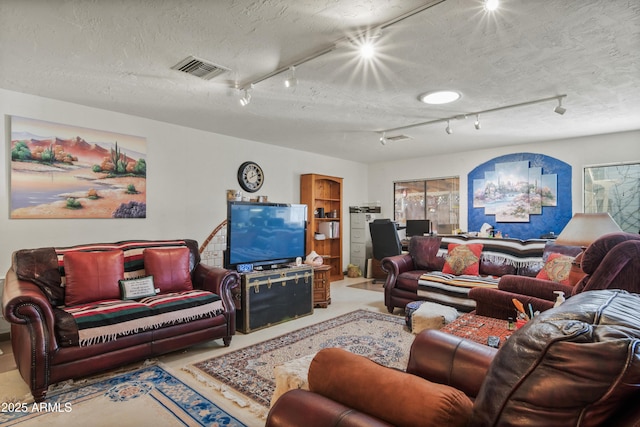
(439, 97)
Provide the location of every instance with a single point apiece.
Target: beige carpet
(369, 285)
(247, 375)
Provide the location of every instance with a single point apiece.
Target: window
(614, 189)
(437, 200)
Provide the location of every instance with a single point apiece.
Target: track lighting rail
(341, 42)
(475, 113)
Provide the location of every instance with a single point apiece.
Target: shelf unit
(324, 192)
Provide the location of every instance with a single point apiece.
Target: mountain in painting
(78, 147)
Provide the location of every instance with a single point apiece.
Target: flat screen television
(417, 227)
(265, 234)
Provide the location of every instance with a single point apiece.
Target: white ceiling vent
(200, 68)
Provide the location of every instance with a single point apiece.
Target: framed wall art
(65, 171)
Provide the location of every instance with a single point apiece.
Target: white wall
(188, 174)
(578, 152)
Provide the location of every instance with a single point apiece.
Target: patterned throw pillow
(463, 259)
(557, 269)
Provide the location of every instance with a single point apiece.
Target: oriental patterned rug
(146, 396)
(246, 376)
(478, 328)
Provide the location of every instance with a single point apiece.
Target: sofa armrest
(499, 304)
(219, 281)
(24, 303)
(396, 265)
(530, 286)
(32, 332)
(447, 359)
(299, 407)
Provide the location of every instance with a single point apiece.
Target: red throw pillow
(169, 268)
(92, 276)
(557, 269)
(463, 259)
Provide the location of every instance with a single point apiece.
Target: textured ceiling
(117, 55)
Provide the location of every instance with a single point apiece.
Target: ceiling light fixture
(383, 139)
(246, 98)
(366, 35)
(448, 128)
(291, 81)
(560, 109)
(439, 97)
(367, 49)
(491, 5)
(476, 124)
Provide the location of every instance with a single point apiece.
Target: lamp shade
(583, 229)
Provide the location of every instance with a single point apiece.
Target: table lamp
(584, 228)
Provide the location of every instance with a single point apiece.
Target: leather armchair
(574, 365)
(611, 262)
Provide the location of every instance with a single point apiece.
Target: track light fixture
(560, 109)
(383, 139)
(346, 40)
(491, 5)
(246, 98)
(291, 81)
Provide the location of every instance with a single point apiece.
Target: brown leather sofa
(417, 275)
(611, 262)
(48, 344)
(574, 365)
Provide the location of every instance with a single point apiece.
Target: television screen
(265, 233)
(417, 227)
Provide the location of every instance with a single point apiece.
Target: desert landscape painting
(64, 171)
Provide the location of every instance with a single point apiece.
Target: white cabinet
(360, 239)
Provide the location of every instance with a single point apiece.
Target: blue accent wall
(552, 219)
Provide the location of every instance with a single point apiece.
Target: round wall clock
(250, 176)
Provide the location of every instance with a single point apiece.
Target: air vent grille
(200, 68)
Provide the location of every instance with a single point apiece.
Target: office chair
(385, 243)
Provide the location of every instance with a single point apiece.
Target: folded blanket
(466, 281)
(107, 320)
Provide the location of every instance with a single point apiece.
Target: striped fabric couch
(421, 273)
(75, 311)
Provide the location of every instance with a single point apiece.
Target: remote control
(493, 341)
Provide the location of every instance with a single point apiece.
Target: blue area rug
(146, 396)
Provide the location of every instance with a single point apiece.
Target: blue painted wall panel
(552, 219)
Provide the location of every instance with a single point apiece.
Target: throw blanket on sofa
(519, 253)
(467, 281)
(105, 321)
(452, 290)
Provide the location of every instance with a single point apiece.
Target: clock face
(250, 176)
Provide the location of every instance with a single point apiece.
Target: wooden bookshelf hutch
(325, 193)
